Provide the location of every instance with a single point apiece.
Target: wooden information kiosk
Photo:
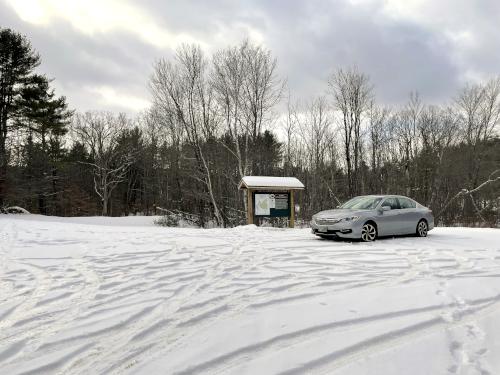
(270, 197)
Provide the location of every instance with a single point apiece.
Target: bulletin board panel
(271, 204)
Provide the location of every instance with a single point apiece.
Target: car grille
(327, 221)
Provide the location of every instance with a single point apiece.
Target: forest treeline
(215, 118)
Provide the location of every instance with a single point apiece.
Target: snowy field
(105, 296)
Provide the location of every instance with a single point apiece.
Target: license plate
(323, 230)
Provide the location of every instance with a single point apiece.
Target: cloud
(316, 38)
(101, 52)
(94, 17)
(114, 98)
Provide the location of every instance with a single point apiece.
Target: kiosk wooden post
(249, 206)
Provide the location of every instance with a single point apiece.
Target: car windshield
(361, 203)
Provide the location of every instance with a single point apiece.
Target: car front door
(388, 222)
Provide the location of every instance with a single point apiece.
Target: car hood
(339, 213)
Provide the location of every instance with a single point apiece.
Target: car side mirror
(384, 208)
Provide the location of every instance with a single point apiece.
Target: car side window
(406, 203)
(392, 203)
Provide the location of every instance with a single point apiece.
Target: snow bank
(96, 220)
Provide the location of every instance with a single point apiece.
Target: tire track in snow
(34, 326)
(203, 284)
(113, 339)
(143, 328)
(223, 363)
(238, 306)
(403, 279)
(189, 325)
(328, 363)
(483, 308)
(41, 281)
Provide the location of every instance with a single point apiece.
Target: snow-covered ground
(103, 296)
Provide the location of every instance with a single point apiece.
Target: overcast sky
(100, 52)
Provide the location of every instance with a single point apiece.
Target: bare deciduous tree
(405, 130)
(478, 109)
(289, 126)
(228, 80)
(378, 118)
(352, 93)
(315, 131)
(100, 132)
(436, 129)
(246, 88)
(181, 90)
(263, 87)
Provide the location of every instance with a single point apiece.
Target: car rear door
(388, 222)
(408, 215)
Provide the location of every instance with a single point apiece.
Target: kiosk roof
(281, 183)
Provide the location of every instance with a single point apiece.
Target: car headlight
(350, 218)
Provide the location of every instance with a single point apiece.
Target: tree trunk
(3, 161)
(105, 205)
(3, 177)
(105, 200)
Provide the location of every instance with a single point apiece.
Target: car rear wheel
(368, 232)
(422, 228)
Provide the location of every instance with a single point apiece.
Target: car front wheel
(422, 228)
(368, 232)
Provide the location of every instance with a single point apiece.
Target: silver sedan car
(369, 216)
